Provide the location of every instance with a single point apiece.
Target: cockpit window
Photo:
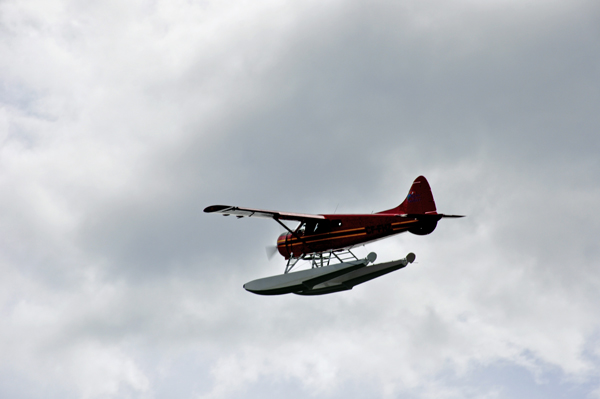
(318, 227)
(315, 227)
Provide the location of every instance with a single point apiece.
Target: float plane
(322, 239)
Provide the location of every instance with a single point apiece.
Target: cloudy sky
(121, 120)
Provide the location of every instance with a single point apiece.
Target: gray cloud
(121, 122)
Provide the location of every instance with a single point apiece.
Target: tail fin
(418, 201)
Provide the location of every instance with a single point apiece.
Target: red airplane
(320, 238)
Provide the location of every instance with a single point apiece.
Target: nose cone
(282, 246)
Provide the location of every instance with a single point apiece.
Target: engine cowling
(424, 228)
(282, 247)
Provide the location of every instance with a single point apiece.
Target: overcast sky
(121, 120)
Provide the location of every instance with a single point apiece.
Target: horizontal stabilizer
(428, 216)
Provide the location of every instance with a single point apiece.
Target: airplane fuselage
(347, 231)
(317, 234)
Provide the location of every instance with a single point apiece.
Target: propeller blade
(271, 251)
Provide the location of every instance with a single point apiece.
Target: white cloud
(121, 121)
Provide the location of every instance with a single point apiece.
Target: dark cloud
(112, 271)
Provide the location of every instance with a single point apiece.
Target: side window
(310, 227)
(323, 226)
(320, 227)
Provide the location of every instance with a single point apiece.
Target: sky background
(120, 121)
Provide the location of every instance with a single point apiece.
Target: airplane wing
(227, 210)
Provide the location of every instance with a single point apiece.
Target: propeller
(271, 251)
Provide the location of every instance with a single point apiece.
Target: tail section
(418, 201)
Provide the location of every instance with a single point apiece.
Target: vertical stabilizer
(418, 201)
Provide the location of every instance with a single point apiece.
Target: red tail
(418, 201)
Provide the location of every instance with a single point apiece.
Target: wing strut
(290, 230)
(322, 259)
